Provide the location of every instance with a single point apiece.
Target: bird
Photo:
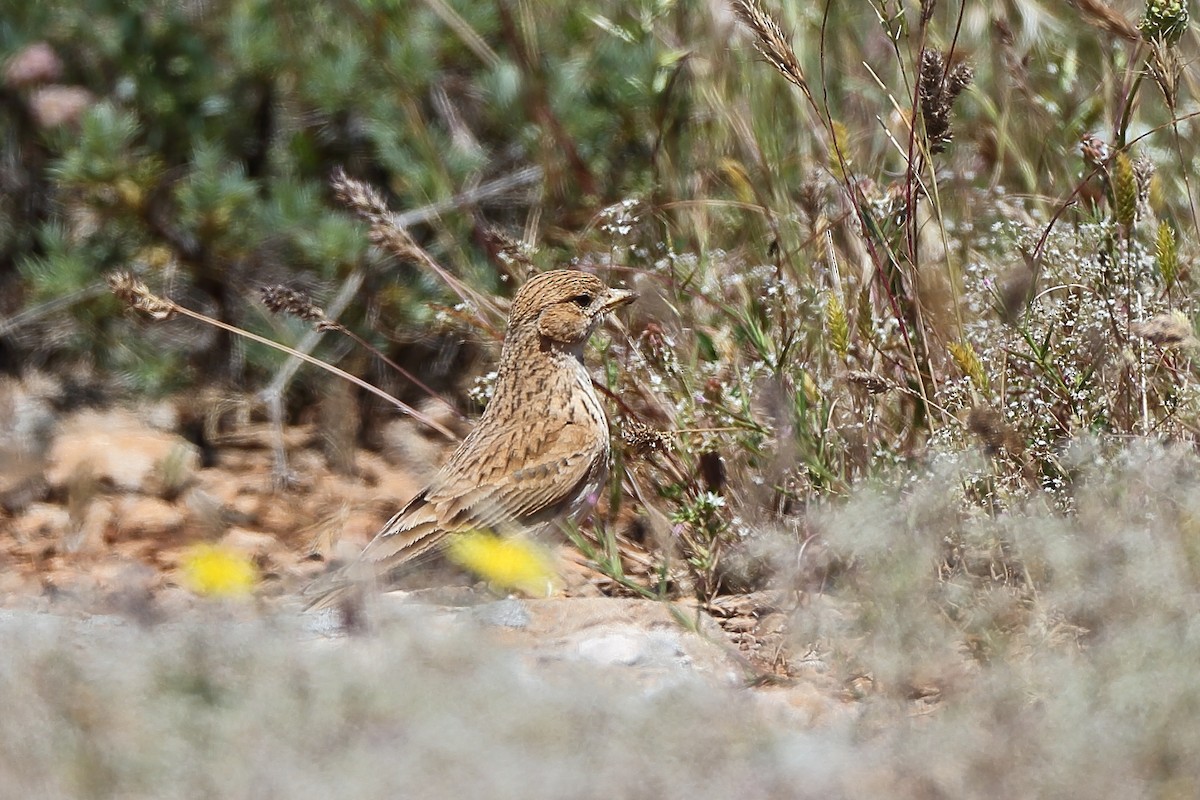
(539, 453)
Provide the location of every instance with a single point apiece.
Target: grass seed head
(939, 88)
(280, 299)
(642, 439)
(1125, 190)
(1166, 254)
(771, 41)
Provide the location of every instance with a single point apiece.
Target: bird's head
(564, 306)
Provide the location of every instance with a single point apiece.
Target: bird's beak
(618, 297)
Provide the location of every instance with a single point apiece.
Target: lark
(538, 455)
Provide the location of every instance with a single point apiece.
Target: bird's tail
(327, 597)
(347, 587)
(335, 590)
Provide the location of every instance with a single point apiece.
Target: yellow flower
(508, 563)
(218, 571)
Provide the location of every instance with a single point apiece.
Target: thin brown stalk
(372, 208)
(1103, 16)
(134, 293)
(282, 299)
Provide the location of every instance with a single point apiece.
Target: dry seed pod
(874, 384)
(642, 439)
(1172, 329)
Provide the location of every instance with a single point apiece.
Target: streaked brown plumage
(540, 450)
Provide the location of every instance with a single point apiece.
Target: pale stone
(248, 541)
(58, 106)
(33, 65)
(117, 448)
(613, 648)
(88, 537)
(147, 516)
(42, 521)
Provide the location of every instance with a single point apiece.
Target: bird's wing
(472, 493)
(411, 531)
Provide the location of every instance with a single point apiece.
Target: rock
(643, 635)
(416, 447)
(14, 584)
(220, 485)
(360, 527)
(129, 590)
(307, 464)
(282, 514)
(147, 517)
(27, 420)
(802, 704)
(740, 624)
(42, 521)
(395, 488)
(245, 508)
(21, 482)
(248, 541)
(163, 416)
(33, 65)
(507, 613)
(27, 415)
(117, 448)
(204, 510)
(229, 459)
(89, 536)
(58, 106)
(615, 648)
(336, 494)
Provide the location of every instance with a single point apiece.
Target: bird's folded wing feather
(471, 495)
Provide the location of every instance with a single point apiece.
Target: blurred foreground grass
(964, 689)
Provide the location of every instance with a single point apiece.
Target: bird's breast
(587, 400)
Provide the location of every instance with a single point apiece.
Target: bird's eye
(582, 300)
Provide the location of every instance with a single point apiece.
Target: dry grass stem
(134, 293)
(285, 300)
(385, 232)
(1106, 18)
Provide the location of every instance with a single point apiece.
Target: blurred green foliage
(202, 153)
